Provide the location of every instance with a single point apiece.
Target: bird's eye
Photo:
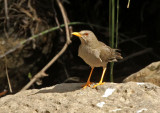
(86, 34)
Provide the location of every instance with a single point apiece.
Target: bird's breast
(91, 56)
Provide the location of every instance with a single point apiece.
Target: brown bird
(95, 53)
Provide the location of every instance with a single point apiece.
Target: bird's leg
(88, 81)
(101, 81)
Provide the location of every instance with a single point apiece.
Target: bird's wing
(107, 54)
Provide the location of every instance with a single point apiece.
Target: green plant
(112, 30)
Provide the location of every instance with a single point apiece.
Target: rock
(150, 73)
(128, 97)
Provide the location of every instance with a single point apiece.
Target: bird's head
(85, 36)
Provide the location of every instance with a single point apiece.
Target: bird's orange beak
(77, 34)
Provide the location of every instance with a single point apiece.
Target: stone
(150, 73)
(131, 97)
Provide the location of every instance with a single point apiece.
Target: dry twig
(7, 18)
(65, 20)
(3, 93)
(6, 12)
(68, 41)
(128, 4)
(9, 83)
(55, 16)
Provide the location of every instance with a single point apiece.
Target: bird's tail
(117, 54)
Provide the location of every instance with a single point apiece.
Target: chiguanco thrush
(95, 53)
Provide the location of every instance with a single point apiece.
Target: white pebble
(115, 110)
(140, 83)
(100, 104)
(108, 92)
(139, 111)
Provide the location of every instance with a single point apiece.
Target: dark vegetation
(139, 39)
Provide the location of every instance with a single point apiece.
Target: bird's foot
(100, 83)
(87, 84)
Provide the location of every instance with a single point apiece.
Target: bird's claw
(100, 83)
(87, 84)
